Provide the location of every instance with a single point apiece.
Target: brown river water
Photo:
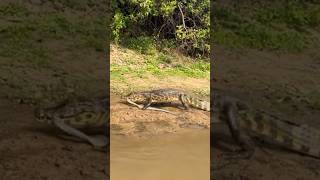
(184, 155)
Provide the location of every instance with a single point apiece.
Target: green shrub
(186, 21)
(144, 45)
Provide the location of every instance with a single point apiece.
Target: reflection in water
(180, 156)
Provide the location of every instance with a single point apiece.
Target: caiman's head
(136, 97)
(42, 115)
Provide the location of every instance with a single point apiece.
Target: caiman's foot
(99, 142)
(96, 142)
(184, 108)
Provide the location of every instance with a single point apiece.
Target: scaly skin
(71, 117)
(244, 122)
(167, 96)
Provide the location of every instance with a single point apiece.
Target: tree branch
(182, 16)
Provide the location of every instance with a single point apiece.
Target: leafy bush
(186, 21)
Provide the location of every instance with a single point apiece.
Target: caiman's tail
(197, 103)
(300, 138)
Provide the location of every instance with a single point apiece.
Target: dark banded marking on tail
(204, 105)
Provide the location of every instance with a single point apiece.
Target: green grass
(312, 98)
(15, 10)
(158, 61)
(199, 69)
(280, 25)
(22, 41)
(260, 37)
(142, 44)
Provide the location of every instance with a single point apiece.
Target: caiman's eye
(89, 115)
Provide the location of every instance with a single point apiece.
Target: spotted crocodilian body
(167, 96)
(70, 118)
(245, 122)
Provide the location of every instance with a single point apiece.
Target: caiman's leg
(243, 140)
(74, 132)
(149, 101)
(183, 101)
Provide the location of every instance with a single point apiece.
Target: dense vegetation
(184, 22)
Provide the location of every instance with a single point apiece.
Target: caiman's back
(168, 95)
